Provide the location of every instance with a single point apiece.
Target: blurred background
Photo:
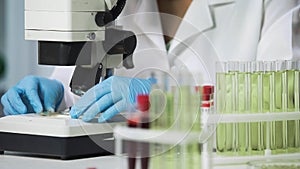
(18, 57)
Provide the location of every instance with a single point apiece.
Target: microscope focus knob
(103, 18)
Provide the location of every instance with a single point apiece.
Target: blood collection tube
(206, 103)
(206, 110)
(132, 122)
(143, 107)
(139, 119)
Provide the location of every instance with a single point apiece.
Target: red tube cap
(208, 89)
(143, 102)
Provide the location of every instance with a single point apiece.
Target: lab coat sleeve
(276, 35)
(64, 75)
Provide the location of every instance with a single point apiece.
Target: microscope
(81, 33)
(77, 33)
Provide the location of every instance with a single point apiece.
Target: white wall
(20, 55)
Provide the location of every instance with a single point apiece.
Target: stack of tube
(256, 88)
(207, 109)
(139, 119)
(177, 109)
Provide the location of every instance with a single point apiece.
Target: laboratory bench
(16, 161)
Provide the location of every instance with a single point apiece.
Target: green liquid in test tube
(297, 106)
(170, 109)
(154, 108)
(227, 133)
(220, 108)
(284, 107)
(280, 105)
(268, 104)
(278, 108)
(162, 106)
(170, 154)
(192, 116)
(196, 102)
(292, 99)
(257, 107)
(184, 113)
(228, 110)
(156, 111)
(156, 159)
(232, 137)
(244, 107)
(290, 76)
(185, 109)
(266, 77)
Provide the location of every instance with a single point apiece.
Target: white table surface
(17, 161)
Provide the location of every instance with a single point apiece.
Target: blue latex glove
(33, 95)
(112, 96)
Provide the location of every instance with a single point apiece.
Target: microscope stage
(57, 135)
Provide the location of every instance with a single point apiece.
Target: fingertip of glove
(38, 109)
(50, 109)
(23, 111)
(74, 116)
(74, 113)
(86, 118)
(101, 119)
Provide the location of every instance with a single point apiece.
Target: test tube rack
(122, 133)
(209, 158)
(239, 118)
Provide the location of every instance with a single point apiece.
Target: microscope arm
(117, 49)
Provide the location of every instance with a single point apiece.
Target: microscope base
(63, 148)
(58, 136)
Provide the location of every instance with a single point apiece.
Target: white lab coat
(211, 30)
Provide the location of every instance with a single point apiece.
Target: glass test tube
(293, 104)
(256, 106)
(176, 114)
(162, 106)
(186, 114)
(207, 108)
(280, 104)
(290, 78)
(268, 103)
(170, 154)
(196, 147)
(297, 105)
(232, 107)
(234, 69)
(221, 90)
(244, 88)
(192, 154)
(258, 87)
(227, 94)
(155, 110)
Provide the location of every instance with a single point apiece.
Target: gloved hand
(33, 95)
(112, 96)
